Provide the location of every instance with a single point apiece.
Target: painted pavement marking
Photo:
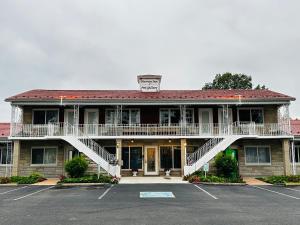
(102, 196)
(276, 192)
(206, 192)
(157, 195)
(13, 190)
(25, 196)
(293, 189)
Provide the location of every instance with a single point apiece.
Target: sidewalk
(152, 180)
(254, 181)
(48, 182)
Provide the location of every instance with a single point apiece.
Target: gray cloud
(105, 44)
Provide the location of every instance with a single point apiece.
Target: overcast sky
(106, 44)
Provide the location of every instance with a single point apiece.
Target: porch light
(170, 140)
(132, 141)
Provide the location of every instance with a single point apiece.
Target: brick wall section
(276, 167)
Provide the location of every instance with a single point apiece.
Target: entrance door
(69, 120)
(205, 121)
(151, 156)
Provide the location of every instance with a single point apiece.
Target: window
(129, 116)
(169, 116)
(5, 159)
(45, 116)
(43, 156)
(132, 157)
(170, 157)
(251, 115)
(297, 154)
(257, 155)
(189, 115)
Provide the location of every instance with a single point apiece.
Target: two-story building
(150, 129)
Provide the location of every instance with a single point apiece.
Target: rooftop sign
(149, 83)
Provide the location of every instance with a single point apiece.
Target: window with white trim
(251, 115)
(129, 116)
(5, 159)
(45, 116)
(255, 155)
(43, 156)
(297, 154)
(132, 157)
(172, 116)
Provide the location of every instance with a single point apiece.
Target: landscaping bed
(88, 179)
(198, 177)
(282, 180)
(31, 179)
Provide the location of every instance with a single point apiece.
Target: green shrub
(76, 167)
(4, 180)
(214, 179)
(33, 178)
(281, 179)
(88, 179)
(226, 166)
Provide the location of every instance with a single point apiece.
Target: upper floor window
(45, 116)
(172, 116)
(129, 116)
(254, 115)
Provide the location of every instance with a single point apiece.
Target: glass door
(151, 155)
(69, 121)
(205, 121)
(91, 121)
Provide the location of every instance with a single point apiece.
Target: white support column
(16, 119)
(284, 118)
(293, 157)
(76, 120)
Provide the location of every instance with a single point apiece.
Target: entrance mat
(157, 195)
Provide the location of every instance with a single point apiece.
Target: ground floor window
(297, 154)
(5, 158)
(132, 157)
(43, 155)
(170, 157)
(257, 155)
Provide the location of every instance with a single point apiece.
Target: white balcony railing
(209, 130)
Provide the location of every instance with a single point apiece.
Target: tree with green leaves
(228, 80)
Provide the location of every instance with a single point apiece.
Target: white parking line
(105, 192)
(276, 192)
(292, 189)
(33, 193)
(13, 190)
(214, 197)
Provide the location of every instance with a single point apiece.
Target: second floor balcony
(195, 130)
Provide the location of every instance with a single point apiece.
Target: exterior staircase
(207, 152)
(95, 152)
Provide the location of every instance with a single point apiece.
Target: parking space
(150, 204)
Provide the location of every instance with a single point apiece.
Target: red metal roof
(204, 95)
(4, 129)
(295, 125)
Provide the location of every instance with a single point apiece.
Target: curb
(11, 185)
(79, 184)
(292, 184)
(222, 184)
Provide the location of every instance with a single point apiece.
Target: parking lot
(150, 204)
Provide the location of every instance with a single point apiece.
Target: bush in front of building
(281, 179)
(89, 179)
(4, 180)
(76, 167)
(198, 177)
(31, 179)
(226, 166)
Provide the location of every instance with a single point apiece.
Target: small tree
(226, 166)
(76, 167)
